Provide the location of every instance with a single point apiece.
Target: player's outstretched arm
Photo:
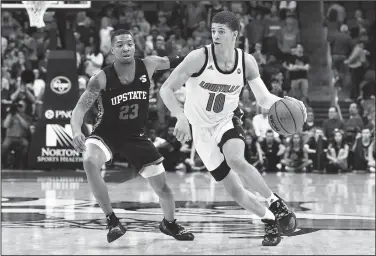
(191, 64)
(87, 99)
(153, 63)
(264, 98)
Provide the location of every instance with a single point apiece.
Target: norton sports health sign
(51, 146)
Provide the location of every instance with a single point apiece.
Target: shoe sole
(274, 244)
(115, 236)
(173, 236)
(291, 231)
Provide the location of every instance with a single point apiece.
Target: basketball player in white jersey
(214, 77)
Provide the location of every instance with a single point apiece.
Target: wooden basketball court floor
(54, 213)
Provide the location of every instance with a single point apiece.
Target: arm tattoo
(90, 95)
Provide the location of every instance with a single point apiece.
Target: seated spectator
(353, 125)
(261, 124)
(202, 31)
(273, 25)
(194, 12)
(250, 152)
(24, 91)
(142, 23)
(175, 43)
(160, 46)
(215, 7)
(173, 157)
(189, 46)
(296, 156)
(164, 29)
(198, 42)
(270, 152)
(254, 33)
(309, 125)
(8, 24)
(20, 65)
(38, 88)
(288, 37)
(17, 124)
(362, 151)
(337, 153)
(93, 61)
(276, 88)
(139, 42)
(4, 45)
(158, 142)
(298, 67)
(316, 147)
(329, 125)
(31, 50)
(105, 36)
(259, 56)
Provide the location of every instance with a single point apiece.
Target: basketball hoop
(36, 10)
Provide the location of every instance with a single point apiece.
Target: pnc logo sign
(58, 114)
(60, 85)
(58, 135)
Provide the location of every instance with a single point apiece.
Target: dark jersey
(123, 108)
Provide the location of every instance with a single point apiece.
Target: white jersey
(212, 95)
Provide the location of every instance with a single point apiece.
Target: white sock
(271, 199)
(268, 215)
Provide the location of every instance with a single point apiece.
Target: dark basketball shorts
(209, 142)
(138, 150)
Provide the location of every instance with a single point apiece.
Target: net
(36, 10)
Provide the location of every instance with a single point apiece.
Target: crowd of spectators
(269, 30)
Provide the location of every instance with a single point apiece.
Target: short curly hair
(227, 18)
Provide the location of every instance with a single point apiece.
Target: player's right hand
(182, 131)
(79, 142)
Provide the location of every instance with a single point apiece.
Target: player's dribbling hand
(301, 105)
(182, 131)
(79, 142)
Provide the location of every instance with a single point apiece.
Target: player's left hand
(301, 105)
(182, 131)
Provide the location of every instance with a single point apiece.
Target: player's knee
(235, 162)
(91, 163)
(163, 191)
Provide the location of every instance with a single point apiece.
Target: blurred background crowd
(340, 140)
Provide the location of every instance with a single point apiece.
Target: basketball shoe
(115, 229)
(175, 230)
(272, 236)
(286, 219)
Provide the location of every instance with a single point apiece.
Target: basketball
(286, 117)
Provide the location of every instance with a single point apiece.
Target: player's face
(123, 48)
(223, 36)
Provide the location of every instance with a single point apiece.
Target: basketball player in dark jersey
(122, 91)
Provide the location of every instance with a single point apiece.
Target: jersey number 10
(217, 100)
